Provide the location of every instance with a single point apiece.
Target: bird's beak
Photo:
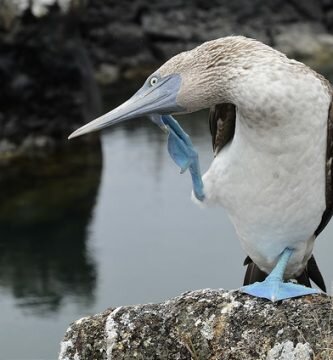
(155, 100)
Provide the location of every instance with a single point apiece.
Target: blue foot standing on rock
(271, 125)
(273, 288)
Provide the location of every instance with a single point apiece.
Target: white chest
(271, 178)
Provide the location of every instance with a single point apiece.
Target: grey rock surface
(206, 324)
(149, 32)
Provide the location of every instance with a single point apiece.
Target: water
(78, 237)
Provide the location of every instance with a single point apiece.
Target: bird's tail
(311, 271)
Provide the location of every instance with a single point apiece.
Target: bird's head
(173, 88)
(188, 82)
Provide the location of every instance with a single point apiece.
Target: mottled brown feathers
(211, 71)
(217, 53)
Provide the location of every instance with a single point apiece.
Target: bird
(271, 121)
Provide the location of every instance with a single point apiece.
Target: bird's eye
(153, 81)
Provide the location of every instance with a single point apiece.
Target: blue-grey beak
(156, 97)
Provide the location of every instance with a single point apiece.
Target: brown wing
(329, 172)
(222, 119)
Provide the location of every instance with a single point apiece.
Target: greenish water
(86, 228)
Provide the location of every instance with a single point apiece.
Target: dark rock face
(153, 31)
(47, 84)
(206, 324)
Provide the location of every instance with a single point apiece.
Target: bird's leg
(181, 150)
(273, 288)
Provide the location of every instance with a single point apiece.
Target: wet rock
(311, 9)
(206, 324)
(301, 39)
(47, 80)
(31, 143)
(307, 42)
(6, 146)
(107, 74)
(38, 8)
(329, 19)
(174, 24)
(149, 32)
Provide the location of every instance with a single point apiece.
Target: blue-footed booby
(271, 125)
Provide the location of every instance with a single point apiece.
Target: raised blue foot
(181, 150)
(273, 288)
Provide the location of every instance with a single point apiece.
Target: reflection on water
(45, 208)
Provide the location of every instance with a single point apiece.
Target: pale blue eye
(153, 81)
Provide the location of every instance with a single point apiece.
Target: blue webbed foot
(181, 153)
(273, 288)
(181, 150)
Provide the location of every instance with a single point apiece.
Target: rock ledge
(206, 324)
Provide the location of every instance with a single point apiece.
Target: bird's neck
(250, 82)
(278, 101)
(237, 69)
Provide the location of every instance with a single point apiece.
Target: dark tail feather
(315, 274)
(304, 279)
(253, 274)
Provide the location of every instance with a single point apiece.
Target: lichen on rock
(287, 351)
(206, 324)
